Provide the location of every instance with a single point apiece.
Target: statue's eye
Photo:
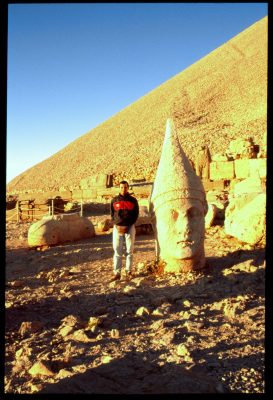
(194, 212)
(174, 214)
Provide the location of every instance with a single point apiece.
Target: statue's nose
(183, 226)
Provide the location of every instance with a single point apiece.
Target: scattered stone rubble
(69, 331)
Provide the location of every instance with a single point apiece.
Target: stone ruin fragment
(56, 229)
(245, 216)
(241, 148)
(178, 207)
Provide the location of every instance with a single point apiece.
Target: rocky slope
(68, 330)
(221, 97)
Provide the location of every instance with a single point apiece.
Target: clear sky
(73, 66)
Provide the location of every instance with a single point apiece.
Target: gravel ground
(68, 330)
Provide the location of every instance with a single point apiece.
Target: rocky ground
(68, 330)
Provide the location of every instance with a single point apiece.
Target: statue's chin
(185, 253)
(183, 262)
(183, 250)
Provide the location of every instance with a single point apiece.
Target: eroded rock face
(246, 218)
(58, 229)
(178, 207)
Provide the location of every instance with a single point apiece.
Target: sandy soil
(68, 330)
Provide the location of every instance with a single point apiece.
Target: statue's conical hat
(175, 177)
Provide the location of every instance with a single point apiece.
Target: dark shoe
(116, 277)
(128, 276)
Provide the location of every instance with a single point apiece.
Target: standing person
(124, 213)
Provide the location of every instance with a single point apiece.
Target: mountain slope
(221, 97)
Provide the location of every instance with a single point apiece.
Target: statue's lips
(189, 243)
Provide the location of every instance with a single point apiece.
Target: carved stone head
(178, 206)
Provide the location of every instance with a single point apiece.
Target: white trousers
(118, 240)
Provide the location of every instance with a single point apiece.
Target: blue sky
(73, 66)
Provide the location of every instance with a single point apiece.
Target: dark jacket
(124, 210)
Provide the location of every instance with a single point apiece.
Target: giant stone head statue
(178, 206)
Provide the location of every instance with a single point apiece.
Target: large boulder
(56, 229)
(245, 218)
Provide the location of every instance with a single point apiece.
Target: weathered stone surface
(222, 170)
(241, 168)
(247, 186)
(89, 194)
(59, 229)
(255, 167)
(258, 167)
(246, 220)
(77, 194)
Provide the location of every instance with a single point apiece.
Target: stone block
(257, 166)
(211, 185)
(222, 170)
(77, 194)
(249, 185)
(233, 183)
(242, 168)
(89, 194)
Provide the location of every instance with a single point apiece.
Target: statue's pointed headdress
(175, 177)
